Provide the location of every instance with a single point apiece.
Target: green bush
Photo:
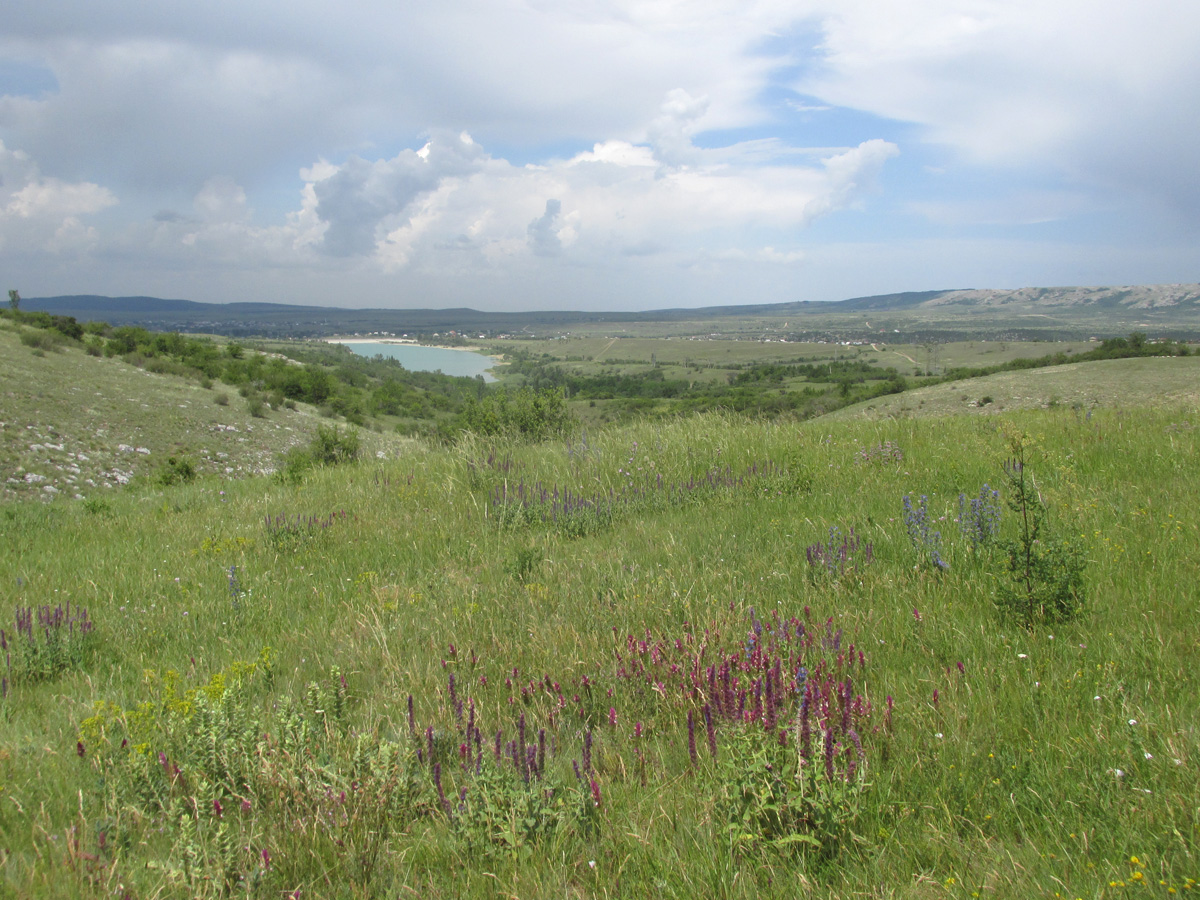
(774, 798)
(331, 446)
(42, 340)
(1043, 580)
(293, 466)
(525, 413)
(177, 470)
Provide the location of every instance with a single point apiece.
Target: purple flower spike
(829, 755)
(712, 731)
(692, 738)
(437, 780)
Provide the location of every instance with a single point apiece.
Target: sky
(587, 154)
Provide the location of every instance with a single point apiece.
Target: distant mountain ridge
(267, 318)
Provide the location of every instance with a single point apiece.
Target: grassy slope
(81, 425)
(1163, 382)
(1006, 787)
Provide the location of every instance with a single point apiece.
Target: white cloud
(186, 90)
(200, 115)
(40, 213)
(221, 200)
(361, 198)
(453, 196)
(1092, 90)
(543, 231)
(670, 133)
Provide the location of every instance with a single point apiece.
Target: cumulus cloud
(543, 231)
(670, 133)
(362, 197)
(41, 213)
(850, 175)
(614, 199)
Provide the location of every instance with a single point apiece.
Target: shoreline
(498, 359)
(403, 342)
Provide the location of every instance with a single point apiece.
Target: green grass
(75, 425)
(1164, 382)
(1006, 786)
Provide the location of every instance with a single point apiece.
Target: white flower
(591, 863)
(938, 735)
(1097, 697)
(1148, 755)
(1133, 721)
(1022, 656)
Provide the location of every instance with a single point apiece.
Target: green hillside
(704, 656)
(1131, 384)
(76, 425)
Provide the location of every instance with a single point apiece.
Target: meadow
(698, 656)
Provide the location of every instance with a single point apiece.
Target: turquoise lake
(429, 359)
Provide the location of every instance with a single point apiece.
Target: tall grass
(999, 760)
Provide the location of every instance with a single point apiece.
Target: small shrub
(177, 470)
(331, 446)
(775, 797)
(295, 463)
(221, 399)
(1044, 575)
(525, 413)
(41, 340)
(256, 406)
(525, 563)
(95, 506)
